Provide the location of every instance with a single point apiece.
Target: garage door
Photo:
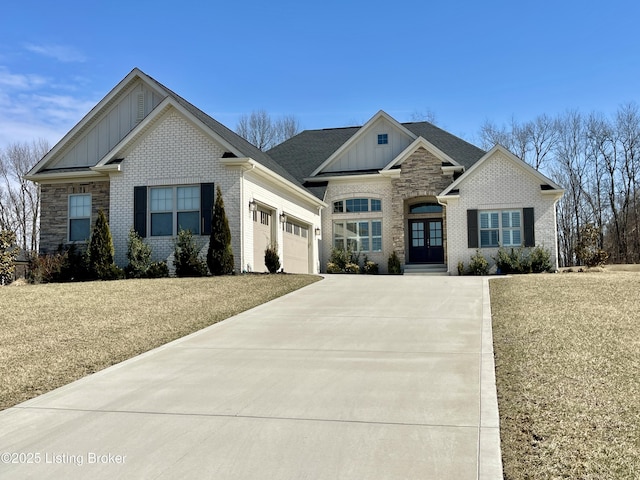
(295, 248)
(261, 237)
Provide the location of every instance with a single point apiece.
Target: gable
(365, 153)
(501, 175)
(109, 126)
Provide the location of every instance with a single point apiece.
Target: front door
(425, 242)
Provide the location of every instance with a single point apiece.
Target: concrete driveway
(354, 377)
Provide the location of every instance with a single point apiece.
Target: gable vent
(140, 113)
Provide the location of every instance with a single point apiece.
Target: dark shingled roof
(305, 152)
(239, 143)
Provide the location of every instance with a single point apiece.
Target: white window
(358, 236)
(79, 217)
(505, 224)
(173, 209)
(383, 139)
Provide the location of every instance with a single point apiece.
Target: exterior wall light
(252, 205)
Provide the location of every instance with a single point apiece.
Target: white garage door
(261, 238)
(295, 248)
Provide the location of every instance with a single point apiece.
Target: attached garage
(262, 235)
(295, 247)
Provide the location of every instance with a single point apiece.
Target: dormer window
(383, 139)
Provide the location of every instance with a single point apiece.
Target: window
(174, 206)
(506, 222)
(357, 205)
(79, 217)
(358, 236)
(425, 208)
(383, 139)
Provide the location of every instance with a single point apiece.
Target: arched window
(425, 207)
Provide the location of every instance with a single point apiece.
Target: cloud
(62, 53)
(33, 107)
(20, 81)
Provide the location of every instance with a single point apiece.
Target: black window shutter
(529, 231)
(472, 228)
(206, 207)
(140, 210)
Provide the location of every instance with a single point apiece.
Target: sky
(330, 63)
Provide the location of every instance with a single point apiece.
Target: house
(152, 161)
(417, 190)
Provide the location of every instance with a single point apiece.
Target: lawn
(53, 334)
(567, 351)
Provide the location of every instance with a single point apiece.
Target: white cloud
(31, 107)
(20, 81)
(62, 53)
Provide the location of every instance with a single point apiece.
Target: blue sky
(330, 63)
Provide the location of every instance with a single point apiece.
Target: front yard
(567, 350)
(53, 334)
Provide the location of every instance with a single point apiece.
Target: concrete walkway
(354, 377)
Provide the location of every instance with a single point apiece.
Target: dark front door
(425, 242)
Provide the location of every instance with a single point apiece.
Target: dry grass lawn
(567, 350)
(53, 334)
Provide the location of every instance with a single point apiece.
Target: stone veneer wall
(421, 176)
(54, 208)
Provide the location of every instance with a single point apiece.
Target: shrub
(271, 258)
(343, 261)
(393, 265)
(157, 270)
(478, 265)
(514, 260)
(186, 259)
(540, 259)
(460, 268)
(369, 267)
(100, 250)
(139, 256)
(220, 254)
(8, 254)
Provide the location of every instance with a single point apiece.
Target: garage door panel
(296, 248)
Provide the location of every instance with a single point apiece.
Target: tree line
(596, 159)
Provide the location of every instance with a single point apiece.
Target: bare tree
(427, 115)
(20, 198)
(264, 132)
(532, 141)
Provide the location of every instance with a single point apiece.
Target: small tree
(271, 258)
(8, 254)
(186, 259)
(220, 254)
(100, 251)
(393, 264)
(139, 256)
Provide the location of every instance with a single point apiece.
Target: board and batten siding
(366, 154)
(129, 109)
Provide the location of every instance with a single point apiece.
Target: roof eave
(247, 163)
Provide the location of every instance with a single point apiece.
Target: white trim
(69, 217)
(250, 164)
(89, 117)
(415, 145)
(556, 189)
